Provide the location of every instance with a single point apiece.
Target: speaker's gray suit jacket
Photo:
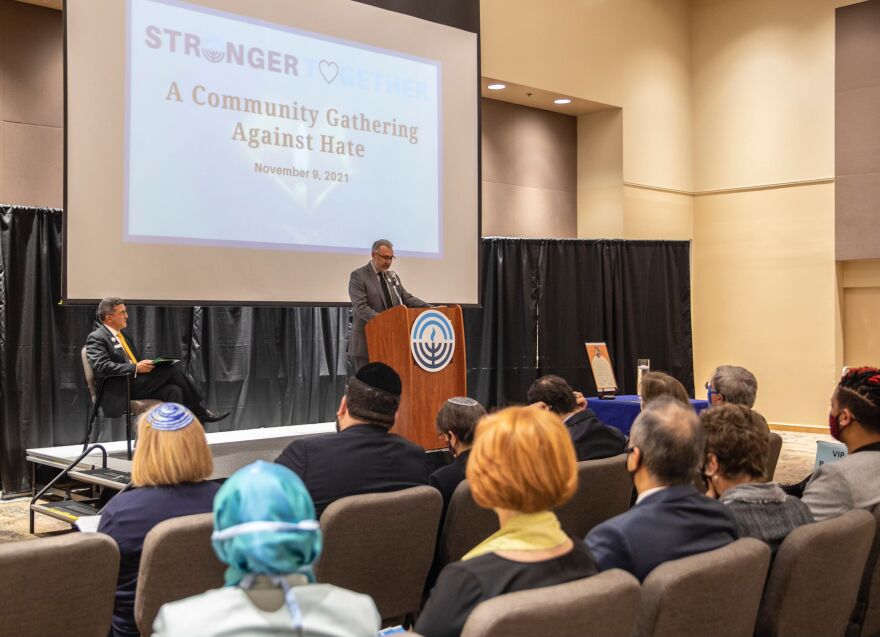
(367, 301)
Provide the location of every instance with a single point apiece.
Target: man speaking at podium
(374, 288)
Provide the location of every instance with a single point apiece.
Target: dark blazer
(592, 439)
(108, 358)
(445, 479)
(367, 300)
(670, 524)
(106, 354)
(128, 517)
(359, 459)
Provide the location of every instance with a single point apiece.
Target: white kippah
(464, 401)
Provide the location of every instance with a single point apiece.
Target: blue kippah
(170, 417)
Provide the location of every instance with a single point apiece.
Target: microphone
(395, 284)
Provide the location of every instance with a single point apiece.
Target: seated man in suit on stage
(373, 288)
(363, 457)
(670, 519)
(111, 353)
(591, 438)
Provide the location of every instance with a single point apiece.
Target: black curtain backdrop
(271, 366)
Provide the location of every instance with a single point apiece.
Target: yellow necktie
(125, 347)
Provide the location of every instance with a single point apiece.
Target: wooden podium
(424, 392)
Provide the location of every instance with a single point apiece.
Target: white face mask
(265, 527)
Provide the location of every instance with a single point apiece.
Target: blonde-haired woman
(522, 465)
(169, 474)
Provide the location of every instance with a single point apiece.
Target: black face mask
(449, 446)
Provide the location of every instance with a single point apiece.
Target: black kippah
(380, 376)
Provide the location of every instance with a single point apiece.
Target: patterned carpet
(795, 462)
(14, 522)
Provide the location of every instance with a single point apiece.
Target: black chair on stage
(112, 397)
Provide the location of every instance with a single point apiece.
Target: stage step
(66, 510)
(110, 478)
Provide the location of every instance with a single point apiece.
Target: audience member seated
(266, 531)
(852, 482)
(456, 422)
(737, 446)
(656, 384)
(522, 465)
(591, 438)
(169, 472)
(363, 457)
(670, 519)
(732, 384)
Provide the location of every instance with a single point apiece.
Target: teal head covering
(264, 524)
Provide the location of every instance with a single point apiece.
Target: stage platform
(231, 450)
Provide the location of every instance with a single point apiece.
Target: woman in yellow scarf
(522, 465)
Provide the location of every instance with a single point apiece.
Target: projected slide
(245, 133)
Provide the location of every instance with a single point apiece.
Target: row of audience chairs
(378, 544)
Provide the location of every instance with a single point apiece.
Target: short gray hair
(671, 441)
(107, 305)
(378, 243)
(737, 384)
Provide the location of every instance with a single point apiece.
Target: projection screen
(220, 151)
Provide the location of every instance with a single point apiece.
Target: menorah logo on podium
(432, 341)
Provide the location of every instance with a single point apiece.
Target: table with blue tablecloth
(621, 411)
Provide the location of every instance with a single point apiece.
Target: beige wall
(529, 177)
(765, 290)
(31, 139)
(860, 282)
(632, 54)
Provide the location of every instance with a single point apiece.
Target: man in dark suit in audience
(363, 457)
(591, 438)
(670, 519)
(111, 353)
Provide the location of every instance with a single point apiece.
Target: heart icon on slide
(329, 70)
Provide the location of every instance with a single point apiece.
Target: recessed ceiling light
(496, 87)
(562, 100)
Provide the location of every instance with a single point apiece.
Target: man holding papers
(110, 353)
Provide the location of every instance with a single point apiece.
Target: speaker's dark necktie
(385, 291)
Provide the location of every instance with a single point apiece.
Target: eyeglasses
(386, 258)
(710, 391)
(629, 450)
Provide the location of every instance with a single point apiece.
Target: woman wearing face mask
(737, 446)
(852, 482)
(265, 530)
(456, 422)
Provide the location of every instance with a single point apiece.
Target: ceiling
(538, 98)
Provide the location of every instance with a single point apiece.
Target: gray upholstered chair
(773, 458)
(605, 604)
(812, 586)
(382, 545)
(178, 561)
(865, 619)
(604, 490)
(58, 586)
(466, 525)
(714, 593)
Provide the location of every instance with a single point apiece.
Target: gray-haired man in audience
(670, 519)
(732, 384)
